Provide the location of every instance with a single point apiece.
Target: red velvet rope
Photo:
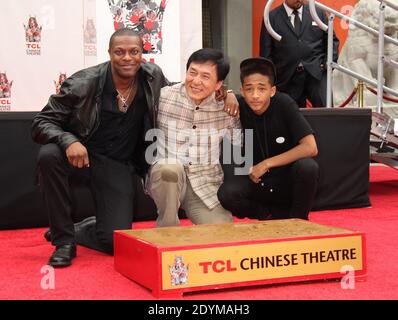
(385, 97)
(349, 98)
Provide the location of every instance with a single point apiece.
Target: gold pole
(361, 88)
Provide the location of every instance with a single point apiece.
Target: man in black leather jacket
(95, 128)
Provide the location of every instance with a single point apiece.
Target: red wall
(342, 6)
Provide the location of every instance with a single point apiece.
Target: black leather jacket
(73, 114)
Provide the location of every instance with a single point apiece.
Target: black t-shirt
(277, 130)
(118, 133)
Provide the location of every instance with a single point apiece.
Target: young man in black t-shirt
(283, 180)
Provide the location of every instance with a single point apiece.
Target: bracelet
(230, 91)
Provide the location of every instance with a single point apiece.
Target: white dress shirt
(290, 14)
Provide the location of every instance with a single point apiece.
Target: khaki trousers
(170, 188)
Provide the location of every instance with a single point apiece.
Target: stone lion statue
(360, 52)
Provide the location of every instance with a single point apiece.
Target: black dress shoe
(47, 235)
(78, 226)
(62, 256)
(84, 223)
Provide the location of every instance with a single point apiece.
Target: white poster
(46, 41)
(41, 40)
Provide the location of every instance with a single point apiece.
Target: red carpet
(92, 276)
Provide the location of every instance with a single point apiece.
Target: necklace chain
(124, 107)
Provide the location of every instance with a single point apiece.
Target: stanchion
(361, 88)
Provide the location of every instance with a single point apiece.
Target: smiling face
(126, 56)
(257, 91)
(202, 80)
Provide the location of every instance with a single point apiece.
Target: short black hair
(259, 65)
(212, 55)
(125, 32)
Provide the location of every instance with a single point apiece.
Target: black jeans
(288, 193)
(111, 184)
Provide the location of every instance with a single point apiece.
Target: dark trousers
(303, 86)
(288, 194)
(112, 187)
